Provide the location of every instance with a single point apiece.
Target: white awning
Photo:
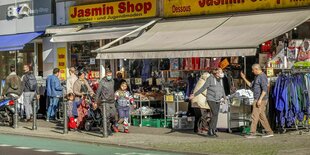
(97, 33)
(235, 35)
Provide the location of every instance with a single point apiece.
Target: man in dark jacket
(29, 90)
(106, 92)
(54, 92)
(12, 84)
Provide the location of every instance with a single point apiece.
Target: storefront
(195, 40)
(94, 25)
(22, 26)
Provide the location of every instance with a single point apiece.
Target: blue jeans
(53, 104)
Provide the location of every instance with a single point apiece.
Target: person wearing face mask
(105, 93)
(215, 94)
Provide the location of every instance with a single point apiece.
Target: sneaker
(115, 129)
(268, 136)
(47, 120)
(250, 136)
(126, 131)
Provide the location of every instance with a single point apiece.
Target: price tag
(270, 72)
(150, 80)
(169, 98)
(138, 81)
(159, 82)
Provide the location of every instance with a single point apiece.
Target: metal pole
(34, 112)
(104, 120)
(15, 118)
(65, 119)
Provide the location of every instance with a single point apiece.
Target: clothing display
(291, 98)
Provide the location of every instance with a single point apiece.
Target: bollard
(104, 120)
(15, 116)
(65, 119)
(34, 112)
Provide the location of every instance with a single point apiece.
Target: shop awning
(17, 41)
(234, 35)
(97, 33)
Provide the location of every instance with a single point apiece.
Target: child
(123, 100)
(72, 111)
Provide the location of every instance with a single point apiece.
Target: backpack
(31, 82)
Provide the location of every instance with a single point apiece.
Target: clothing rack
(299, 125)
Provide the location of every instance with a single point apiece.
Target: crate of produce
(183, 123)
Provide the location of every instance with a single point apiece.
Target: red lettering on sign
(131, 8)
(61, 56)
(203, 3)
(97, 11)
(61, 64)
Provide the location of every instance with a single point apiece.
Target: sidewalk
(164, 139)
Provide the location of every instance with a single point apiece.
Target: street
(17, 145)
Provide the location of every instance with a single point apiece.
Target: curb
(96, 143)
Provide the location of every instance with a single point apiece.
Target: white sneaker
(250, 136)
(268, 136)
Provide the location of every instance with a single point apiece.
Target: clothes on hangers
(290, 100)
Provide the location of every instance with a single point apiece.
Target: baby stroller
(94, 118)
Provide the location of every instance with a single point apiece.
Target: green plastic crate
(168, 123)
(145, 122)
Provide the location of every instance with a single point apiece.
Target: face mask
(109, 78)
(221, 75)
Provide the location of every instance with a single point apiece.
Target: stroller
(94, 117)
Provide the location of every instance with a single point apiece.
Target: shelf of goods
(237, 116)
(148, 115)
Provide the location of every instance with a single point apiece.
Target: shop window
(8, 58)
(82, 57)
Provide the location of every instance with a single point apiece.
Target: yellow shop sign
(174, 8)
(113, 11)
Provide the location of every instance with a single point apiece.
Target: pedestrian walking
(13, 84)
(71, 80)
(29, 83)
(260, 90)
(106, 92)
(54, 92)
(215, 95)
(123, 101)
(81, 89)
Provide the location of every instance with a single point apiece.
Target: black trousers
(214, 107)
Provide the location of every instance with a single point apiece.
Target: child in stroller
(94, 118)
